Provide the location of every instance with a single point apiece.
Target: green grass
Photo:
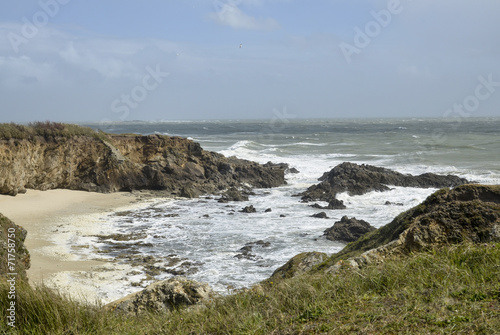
(453, 289)
(50, 131)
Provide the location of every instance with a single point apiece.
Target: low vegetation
(451, 289)
(48, 130)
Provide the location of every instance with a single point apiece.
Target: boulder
(299, 264)
(249, 209)
(164, 295)
(348, 230)
(321, 215)
(233, 194)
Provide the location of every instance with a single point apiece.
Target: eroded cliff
(110, 163)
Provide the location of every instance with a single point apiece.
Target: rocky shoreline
(180, 167)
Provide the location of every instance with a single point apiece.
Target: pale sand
(57, 216)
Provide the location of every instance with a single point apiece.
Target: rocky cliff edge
(52, 155)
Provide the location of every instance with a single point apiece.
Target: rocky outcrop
(165, 295)
(109, 163)
(298, 265)
(348, 230)
(360, 179)
(468, 213)
(14, 255)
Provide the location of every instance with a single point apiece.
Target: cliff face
(123, 163)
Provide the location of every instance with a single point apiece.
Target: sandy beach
(57, 216)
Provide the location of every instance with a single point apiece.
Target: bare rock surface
(348, 230)
(298, 265)
(165, 295)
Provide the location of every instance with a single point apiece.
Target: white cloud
(231, 15)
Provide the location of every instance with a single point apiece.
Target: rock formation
(109, 163)
(467, 213)
(348, 230)
(14, 255)
(360, 179)
(165, 295)
(298, 265)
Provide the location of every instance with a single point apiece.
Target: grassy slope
(454, 289)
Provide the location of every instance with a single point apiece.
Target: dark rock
(333, 204)
(321, 215)
(249, 209)
(360, 179)
(348, 230)
(282, 216)
(232, 194)
(261, 243)
(292, 170)
(388, 203)
(268, 210)
(190, 192)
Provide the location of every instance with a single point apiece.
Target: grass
(452, 289)
(50, 131)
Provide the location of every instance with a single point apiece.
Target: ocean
(214, 242)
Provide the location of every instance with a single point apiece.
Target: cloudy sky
(122, 60)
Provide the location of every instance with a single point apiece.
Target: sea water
(202, 239)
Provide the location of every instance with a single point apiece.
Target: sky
(125, 60)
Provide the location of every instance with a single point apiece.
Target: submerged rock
(249, 209)
(348, 230)
(233, 194)
(333, 204)
(321, 215)
(165, 295)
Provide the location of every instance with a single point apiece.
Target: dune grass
(453, 289)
